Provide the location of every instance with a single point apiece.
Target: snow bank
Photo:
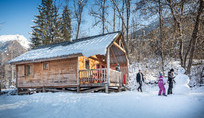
(20, 38)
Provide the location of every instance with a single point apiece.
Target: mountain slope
(20, 38)
(11, 46)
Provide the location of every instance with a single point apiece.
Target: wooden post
(43, 89)
(17, 78)
(0, 87)
(78, 86)
(108, 72)
(127, 79)
(63, 89)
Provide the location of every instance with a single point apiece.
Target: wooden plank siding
(92, 62)
(59, 73)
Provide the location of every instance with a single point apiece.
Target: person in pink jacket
(161, 84)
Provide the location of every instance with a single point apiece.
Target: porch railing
(99, 76)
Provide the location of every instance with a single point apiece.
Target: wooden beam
(119, 47)
(114, 55)
(119, 42)
(97, 60)
(93, 89)
(108, 72)
(78, 86)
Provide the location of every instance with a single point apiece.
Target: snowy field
(184, 103)
(130, 104)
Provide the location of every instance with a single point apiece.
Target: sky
(16, 18)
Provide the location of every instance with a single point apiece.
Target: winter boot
(164, 94)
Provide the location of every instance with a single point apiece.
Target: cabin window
(87, 64)
(45, 66)
(29, 70)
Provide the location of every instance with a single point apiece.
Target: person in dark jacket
(171, 80)
(118, 67)
(140, 78)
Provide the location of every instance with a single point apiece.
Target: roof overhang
(47, 59)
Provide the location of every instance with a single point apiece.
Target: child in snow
(161, 84)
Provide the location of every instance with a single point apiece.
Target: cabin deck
(98, 77)
(89, 80)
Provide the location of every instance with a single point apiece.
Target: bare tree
(100, 13)
(177, 18)
(194, 35)
(125, 26)
(78, 10)
(127, 3)
(161, 35)
(114, 14)
(121, 15)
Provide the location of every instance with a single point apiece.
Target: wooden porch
(106, 76)
(98, 77)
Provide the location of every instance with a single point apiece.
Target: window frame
(29, 72)
(87, 60)
(47, 66)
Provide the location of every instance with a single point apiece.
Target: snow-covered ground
(184, 103)
(130, 104)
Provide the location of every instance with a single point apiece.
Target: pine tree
(47, 25)
(37, 34)
(57, 36)
(66, 28)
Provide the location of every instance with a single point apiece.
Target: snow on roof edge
(99, 50)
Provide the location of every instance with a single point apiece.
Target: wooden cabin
(86, 64)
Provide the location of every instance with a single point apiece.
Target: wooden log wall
(92, 63)
(60, 73)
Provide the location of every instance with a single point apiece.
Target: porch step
(93, 89)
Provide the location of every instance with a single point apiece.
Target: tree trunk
(78, 28)
(177, 25)
(161, 36)
(127, 25)
(194, 36)
(103, 15)
(113, 18)
(123, 16)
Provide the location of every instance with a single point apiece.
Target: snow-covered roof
(20, 38)
(89, 46)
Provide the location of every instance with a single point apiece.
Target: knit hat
(172, 70)
(160, 74)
